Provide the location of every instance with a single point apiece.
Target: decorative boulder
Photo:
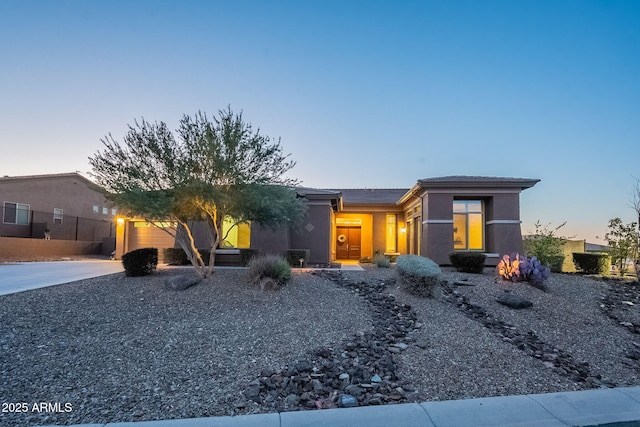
(514, 301)
(182, 282)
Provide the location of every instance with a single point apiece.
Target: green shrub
(365, 260)
(381, 261)
(140, 262)
(175, 256)
(555, 263)
(269, 271)
(468, 262)
(546, 246)
(420, 275)
(592, 263)
(293, 257)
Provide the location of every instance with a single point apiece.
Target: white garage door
(145, 235)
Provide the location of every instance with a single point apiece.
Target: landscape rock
(356, 372)
(514, 301)
(182, 281)
(347, 401)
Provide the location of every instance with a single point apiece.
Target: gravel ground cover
(129, 349)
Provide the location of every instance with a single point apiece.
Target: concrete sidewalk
(24, 276)
(604, 407)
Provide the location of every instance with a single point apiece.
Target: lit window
(391, 232)
(468, 229)
(57, 216)
(235, 236)
(16, 213)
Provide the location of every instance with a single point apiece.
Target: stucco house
(433, 218)
(65, 207)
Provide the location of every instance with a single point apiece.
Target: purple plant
(533, 270)
(516, 268)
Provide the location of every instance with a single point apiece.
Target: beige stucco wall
(568, 249)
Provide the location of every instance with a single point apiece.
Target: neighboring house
(595, 247)
(433, 218)
(64, 206)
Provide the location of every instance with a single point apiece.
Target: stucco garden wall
(20, 249)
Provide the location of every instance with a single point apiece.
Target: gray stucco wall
(315, 234)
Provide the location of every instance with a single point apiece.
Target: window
(237, 236)
(105, 211)
(16, 213)
(391, 233)
(113, 211)
(96, 209)
(468, 229)
(57, 216)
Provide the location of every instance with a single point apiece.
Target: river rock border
(361, 371)
(620, 299)
(556, 359)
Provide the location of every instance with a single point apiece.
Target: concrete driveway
(23, 276)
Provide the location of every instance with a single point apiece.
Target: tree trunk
(188, 244)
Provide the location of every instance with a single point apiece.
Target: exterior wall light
(120, 221)
(403, 230)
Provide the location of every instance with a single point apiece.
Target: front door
(348, 243)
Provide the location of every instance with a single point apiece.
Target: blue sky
(361, 93)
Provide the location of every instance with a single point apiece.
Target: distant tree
(623, 240)
(635, 198)
(546, 245)
(635, 205)
(209, 171)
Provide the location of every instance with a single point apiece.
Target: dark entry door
(348, 243)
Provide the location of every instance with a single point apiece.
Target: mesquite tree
(208, 170)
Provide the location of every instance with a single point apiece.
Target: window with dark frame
(468, 228)
(16, 213)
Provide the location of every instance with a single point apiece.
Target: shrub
(381, 261)
(269, 271)
(420, 275)
(623, 240)
(468, 262)
(246, 254)
(140, 262)
(175, 256)
(592, 263)
(293, 256)
(546, 246)
(518, 268)
(555, 263)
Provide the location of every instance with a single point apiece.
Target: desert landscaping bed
(129, 349)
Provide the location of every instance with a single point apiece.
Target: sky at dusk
(363, 94)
